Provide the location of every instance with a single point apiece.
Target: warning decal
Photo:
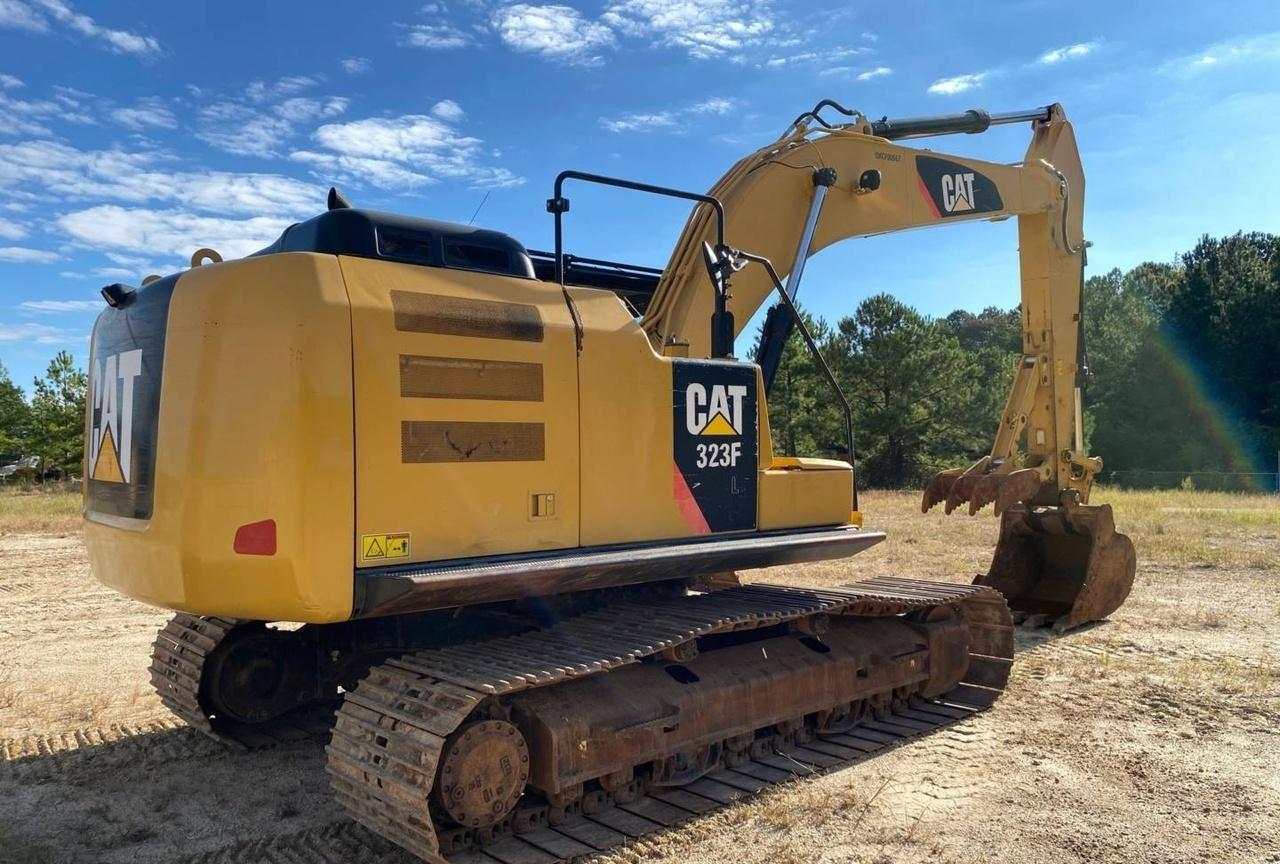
(377, 547)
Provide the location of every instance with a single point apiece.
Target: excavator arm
(821, 183)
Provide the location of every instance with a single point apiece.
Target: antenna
(477, 213)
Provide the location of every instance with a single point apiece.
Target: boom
(873, 185)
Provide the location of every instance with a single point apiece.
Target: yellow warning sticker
(375, 547)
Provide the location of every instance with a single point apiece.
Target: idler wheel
(482, 773)
(255, 676)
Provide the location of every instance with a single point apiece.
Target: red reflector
(256, 538)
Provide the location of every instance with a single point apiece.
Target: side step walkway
(418, 588)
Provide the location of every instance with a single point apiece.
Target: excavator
(474, 513)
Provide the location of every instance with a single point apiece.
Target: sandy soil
(1151, 737)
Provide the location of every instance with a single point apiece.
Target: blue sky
(132, 133)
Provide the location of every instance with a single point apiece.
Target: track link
(178, 658)
(391, 731)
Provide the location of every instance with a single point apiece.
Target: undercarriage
(615, 715)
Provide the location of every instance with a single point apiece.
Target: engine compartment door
(466, 402)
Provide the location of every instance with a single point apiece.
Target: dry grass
(8, 690)
(1200, 529)
(39, 511)
(1170, 527)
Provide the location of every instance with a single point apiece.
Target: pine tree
(57, 414)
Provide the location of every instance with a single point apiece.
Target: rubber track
(390, 731)
(177, 663)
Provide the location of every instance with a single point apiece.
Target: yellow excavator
(488, 503)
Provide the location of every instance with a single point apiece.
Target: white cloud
(383, 173)
(17, 15)
(29, 117)
(958, 84)
(290, 85)
(112, 272)
(23, 255)
(39, 334)
(639, 122)
(448, 111)
(49, 168)
(554, 32)
(130, 261)
(386, 138)
(411, 150)
(356, 65)
(148, 113)
(704, 28)
(119, 41)
(714, 105)
(264, 119)
(878, 72)
(1068, 52)
(1251, 49)
(11, 230)
(440, 37)
(301, 109)
(10, 82)
(810, 58)
(242, 130)
(169, 232)
(669, 119)
(49, 307)
(563, 33)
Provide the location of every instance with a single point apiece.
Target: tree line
(1184, 377)
(43, 437)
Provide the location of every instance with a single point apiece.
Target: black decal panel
(953, 189)
(126, 356)
(716, 440)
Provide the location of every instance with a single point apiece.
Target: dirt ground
(1154, 736)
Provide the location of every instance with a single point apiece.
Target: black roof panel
(372, 234)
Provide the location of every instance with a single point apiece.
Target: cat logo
(957, 192)
(952, 189)
(716, 413)
(111, 435)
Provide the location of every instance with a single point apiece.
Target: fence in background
(1211, 481)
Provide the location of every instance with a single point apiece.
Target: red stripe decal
(689, 508)
(928, 198)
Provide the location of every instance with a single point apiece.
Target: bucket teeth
(1005, 490)
(962, 491)
(939, 487)
(974, 486)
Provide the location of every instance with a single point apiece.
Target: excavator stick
(1067, 564)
